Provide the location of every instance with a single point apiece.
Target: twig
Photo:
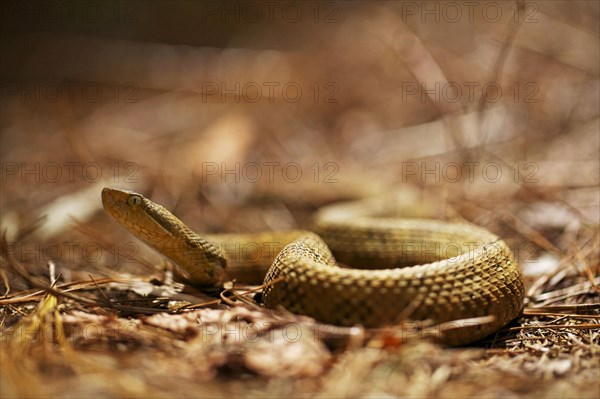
(586, 326)
(101, 291)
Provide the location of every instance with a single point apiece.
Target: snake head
(163, 231)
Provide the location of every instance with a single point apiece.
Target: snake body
(415, 269)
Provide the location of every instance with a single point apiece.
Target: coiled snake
(441, 271)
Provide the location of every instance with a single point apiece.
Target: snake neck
(203, 260)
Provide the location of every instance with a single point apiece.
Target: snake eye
(134, 200)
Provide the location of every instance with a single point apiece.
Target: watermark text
(270, 172)
(453, 172)
(68, 172)
(70, 92)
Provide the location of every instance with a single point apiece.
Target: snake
(353, 267)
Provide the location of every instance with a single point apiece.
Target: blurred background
(250, 115)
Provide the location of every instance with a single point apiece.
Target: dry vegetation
(132, 96)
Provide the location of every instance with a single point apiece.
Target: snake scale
(413, 269)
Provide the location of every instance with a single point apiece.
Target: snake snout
(112, 198)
